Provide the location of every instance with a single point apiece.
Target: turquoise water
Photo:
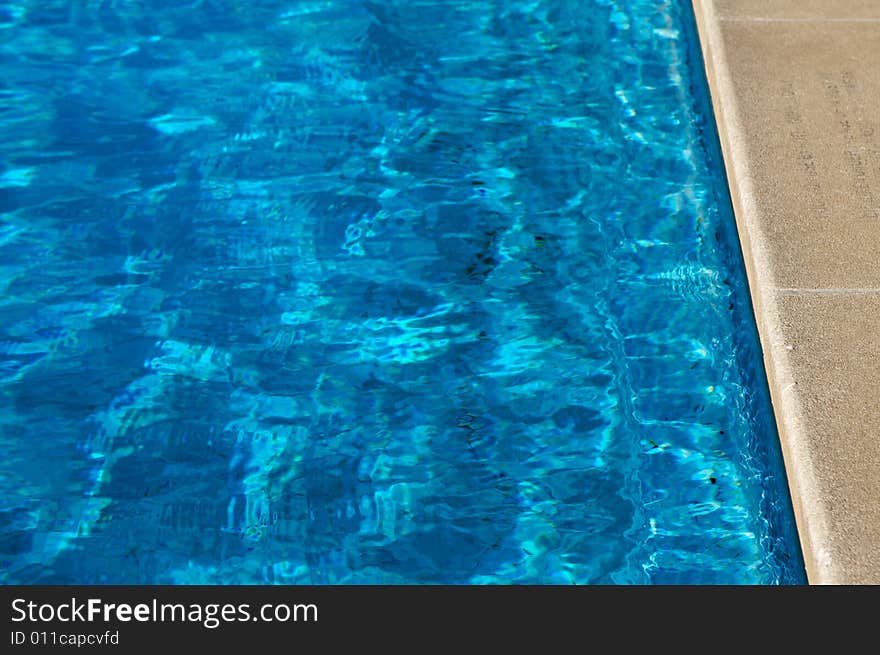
(374, 292)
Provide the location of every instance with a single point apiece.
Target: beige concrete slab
(811, 133)
(833, 344)
(799, 9)
(797, 104)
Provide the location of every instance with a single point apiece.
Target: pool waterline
(805, 208)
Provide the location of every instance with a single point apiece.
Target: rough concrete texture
(796, 93)
(822, 10)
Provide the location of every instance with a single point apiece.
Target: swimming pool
(374, 292)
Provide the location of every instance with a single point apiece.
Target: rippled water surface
(400, 291)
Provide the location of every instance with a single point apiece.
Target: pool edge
(809, 492)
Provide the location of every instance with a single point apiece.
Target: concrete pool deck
(796, 93)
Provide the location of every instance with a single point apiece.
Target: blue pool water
(350, 291)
